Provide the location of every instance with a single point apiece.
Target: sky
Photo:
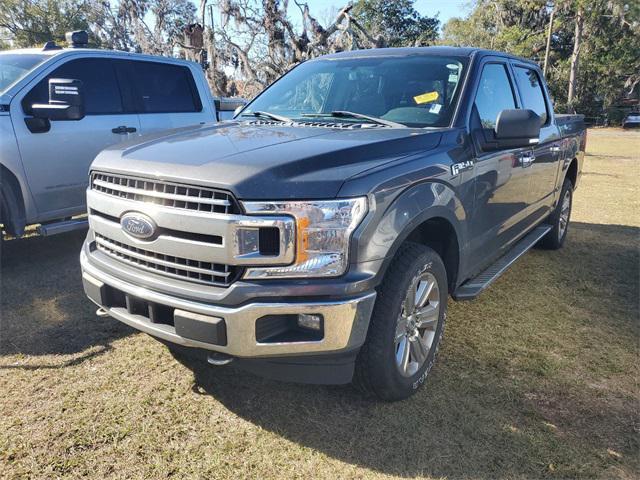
(322, 8)
(447, 8)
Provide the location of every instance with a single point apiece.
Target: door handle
(527, 159)
(124, 129)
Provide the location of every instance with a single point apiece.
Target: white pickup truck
(59, 107)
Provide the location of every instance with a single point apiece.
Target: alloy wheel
(565, 211)
(416, 327)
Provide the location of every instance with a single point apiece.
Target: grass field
(538, 378)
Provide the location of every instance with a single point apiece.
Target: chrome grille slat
(185, 269)
(157, 258)
(169, 194)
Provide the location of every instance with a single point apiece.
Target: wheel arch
(439, 234)
(438, 228)
(572, 172)
(12, 210)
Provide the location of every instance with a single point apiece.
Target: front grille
(183, 268)
(168, 194)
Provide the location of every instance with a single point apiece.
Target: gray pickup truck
(59, 107)
(318, 236)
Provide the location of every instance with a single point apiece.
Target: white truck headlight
(323, 231)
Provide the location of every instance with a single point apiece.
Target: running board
(475, 286)
(54, 228)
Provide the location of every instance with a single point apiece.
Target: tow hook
(219, 359)
(101, 312)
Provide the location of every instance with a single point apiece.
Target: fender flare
(410, 209)
(11, 203)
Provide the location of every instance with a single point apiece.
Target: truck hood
(264, 161)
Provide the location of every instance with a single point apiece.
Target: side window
(531, 91)
(494, 94)
(101, 90)
(164, 88)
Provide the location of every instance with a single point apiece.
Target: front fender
(13, 186)
(398, 217)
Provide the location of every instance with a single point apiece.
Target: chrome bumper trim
(345, 322)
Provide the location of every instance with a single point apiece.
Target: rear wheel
(559, 219)
(406, 325)
(2, 224)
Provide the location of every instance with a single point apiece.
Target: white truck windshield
(14, 66)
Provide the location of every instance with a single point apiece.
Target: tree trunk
(548, 49)
(575, 58)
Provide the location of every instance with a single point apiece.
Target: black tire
(2, 217)
(557, 235)
(377, 372)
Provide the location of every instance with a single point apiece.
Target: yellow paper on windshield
(426, 98)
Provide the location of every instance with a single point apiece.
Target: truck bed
(570, 124)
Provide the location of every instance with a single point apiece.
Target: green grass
(538, 378)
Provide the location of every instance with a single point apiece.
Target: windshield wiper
(362, 116)
(272, 116)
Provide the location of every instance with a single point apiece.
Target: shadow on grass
(42, 304)
(479, 415)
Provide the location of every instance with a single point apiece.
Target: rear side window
(494, 94)
(531, 92)
(162, 88)
(101, 89)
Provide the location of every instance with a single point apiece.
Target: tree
(575, 55)
(515, 26)
(4, 39)
(149, 26)
(397, 21)
(34, 22)
(609, 60)
(593, 59)
(259, 42)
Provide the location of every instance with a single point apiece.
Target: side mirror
(66, 101)
(517, 128)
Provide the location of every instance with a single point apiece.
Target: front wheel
(406, 325)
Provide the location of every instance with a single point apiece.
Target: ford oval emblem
(138, 225)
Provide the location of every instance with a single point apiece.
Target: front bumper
(233, 329)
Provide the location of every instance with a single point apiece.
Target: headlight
(323, 230)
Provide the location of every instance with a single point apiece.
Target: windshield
(416, 91)
(14, 66)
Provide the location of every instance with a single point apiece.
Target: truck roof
(410, 51)
(64, 52)
(372, 52)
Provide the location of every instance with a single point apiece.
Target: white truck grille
(168, 194)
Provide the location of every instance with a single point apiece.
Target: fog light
(310, 321)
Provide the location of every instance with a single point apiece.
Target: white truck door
(57, 161)
(167, 96)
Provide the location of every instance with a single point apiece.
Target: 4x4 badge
(456, 168)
